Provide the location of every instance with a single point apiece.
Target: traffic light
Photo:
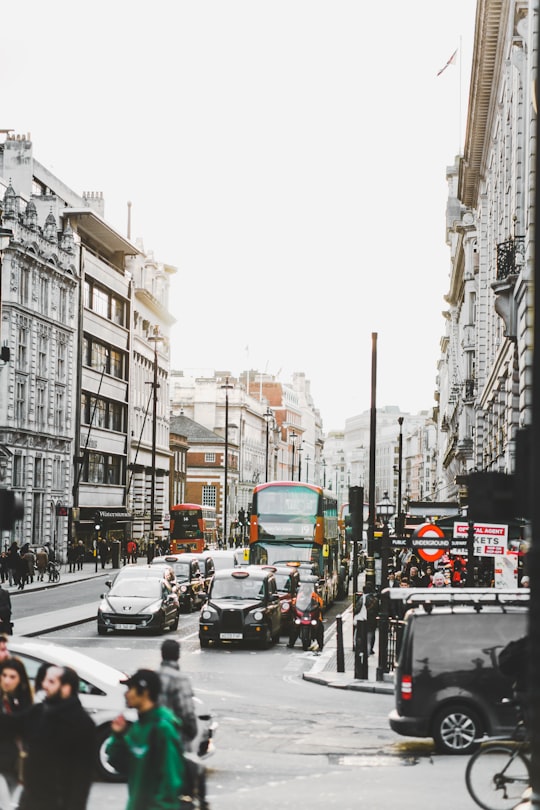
(356, 509)
(241, 517)
(61, 510)
(11, 509)
(97, 522)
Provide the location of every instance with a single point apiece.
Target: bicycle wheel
(496, 777)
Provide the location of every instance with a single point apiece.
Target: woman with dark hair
(15, 696)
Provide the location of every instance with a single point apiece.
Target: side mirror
(108, 583)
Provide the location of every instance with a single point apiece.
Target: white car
(101, 694)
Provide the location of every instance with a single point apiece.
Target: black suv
(243, 605)
(448, 685)
(189, 580)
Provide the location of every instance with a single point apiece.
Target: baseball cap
(144, 679)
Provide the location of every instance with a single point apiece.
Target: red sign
(428, 552)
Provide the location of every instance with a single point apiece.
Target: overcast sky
(288, 157)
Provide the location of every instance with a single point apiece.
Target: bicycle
(53, 570)
(498, 773)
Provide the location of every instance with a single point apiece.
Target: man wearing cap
(150, 750)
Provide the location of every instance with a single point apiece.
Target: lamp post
(267, 416)
(226, 387)
(324, 472)
(308, 459)
(300, 462)
(155, 338)
(400, 527)
(293, 437)
(385, 510)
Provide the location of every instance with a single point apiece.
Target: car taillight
(406, 687)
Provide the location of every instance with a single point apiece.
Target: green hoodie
(150, 753)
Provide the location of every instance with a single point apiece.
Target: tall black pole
(154, 433)
(400, 476)
(266, 456)
(293, 440)
(226, 386)
(299, 463)
(370, 562)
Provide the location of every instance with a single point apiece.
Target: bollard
(340, 655)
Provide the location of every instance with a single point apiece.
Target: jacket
(150, 753)
(177, 695)
(60, 739)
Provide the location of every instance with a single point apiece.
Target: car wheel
(174, 625)
(104, 769)
(204, 642)
(102, 631)
(455, 729)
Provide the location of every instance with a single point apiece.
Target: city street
(281, 740)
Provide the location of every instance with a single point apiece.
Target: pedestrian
(72, 558)
(42, 561)
(438, 581)
(60, 741)
(6, 625)
(13, 564)
(365, 618)
(80, 555)
(149, 751)
(103, 551)
(525, 582)
(3, 567)
(177, 694)
(15, 696)
(131, 551)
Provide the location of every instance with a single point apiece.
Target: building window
(20, 401)
(116, 366)
(62, 305)
(18, 470)
(118, 311)
(41, 404)
(44, 296)
(210, 458)
(61, 361)
(116, 417)
(209, 496)
(98, 412)
(22, 348)
(58, 474)
(38, 518)
(42, 356)
(103, 469)
(24, 286)
(59, 416)
(38, 473)
(100, 302)
(99, 356)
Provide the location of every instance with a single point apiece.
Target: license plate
(232, 636)
(125, 626)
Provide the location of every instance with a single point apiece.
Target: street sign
(430, 541)
(490, 539)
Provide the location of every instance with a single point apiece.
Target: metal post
(340, 655)
(470, 581)
(154, 435)
(370, 562)
(400, 476)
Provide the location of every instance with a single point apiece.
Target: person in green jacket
(148, 751)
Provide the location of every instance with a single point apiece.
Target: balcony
(464, 449)
(510, 257)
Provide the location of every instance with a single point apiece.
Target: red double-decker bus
(193, 527)
(296, 522)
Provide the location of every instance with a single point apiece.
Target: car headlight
(152, 608)
(183, 588)
(285, 606)
(104, 607)
(258, 615)
(208, 613)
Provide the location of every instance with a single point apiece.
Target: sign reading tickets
(490, 539)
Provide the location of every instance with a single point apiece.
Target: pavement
(323, 672)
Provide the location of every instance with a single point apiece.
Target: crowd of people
(48, 741)
(20, 566)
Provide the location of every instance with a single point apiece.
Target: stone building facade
(484, 383)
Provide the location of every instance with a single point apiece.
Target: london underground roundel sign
(430, 542)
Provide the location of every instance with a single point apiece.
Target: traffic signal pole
(370, 562)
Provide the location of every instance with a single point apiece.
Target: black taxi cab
(243, 605)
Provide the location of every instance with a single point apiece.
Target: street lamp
(267, 416)
(293, 437)
(400, 527)
(324, 471)
(227, 385)
(385, 510)
(300, 449)
(155, 339)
